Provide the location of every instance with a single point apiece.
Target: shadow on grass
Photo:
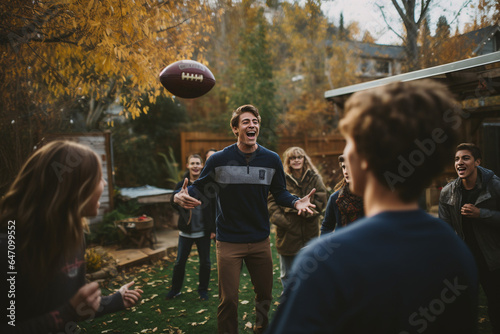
(187, 313)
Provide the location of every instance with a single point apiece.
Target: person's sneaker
(203, 295)
(172, 295)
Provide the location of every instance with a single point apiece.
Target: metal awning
(147, 194)
(468, 79)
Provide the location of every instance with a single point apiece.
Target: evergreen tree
(254, 80)
(342, 29)
(426, 58)
(442, 28)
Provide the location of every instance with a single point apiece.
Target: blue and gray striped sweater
(241, 185)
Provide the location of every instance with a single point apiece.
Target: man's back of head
(405, 131)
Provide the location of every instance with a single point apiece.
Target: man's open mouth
(251, 134)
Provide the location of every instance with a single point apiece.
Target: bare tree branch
(423, 11)
(178, 24)
(401, 13)
(387, 23)
(465, 5)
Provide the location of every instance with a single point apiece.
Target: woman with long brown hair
(59, 185)
(293, 231)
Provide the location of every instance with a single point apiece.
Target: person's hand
(183, 199)
(130, 297)
(88, 296)
(303, 204)
(470, 210)
(212, 235)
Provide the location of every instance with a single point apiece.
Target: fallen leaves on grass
(200, 323)
(156, 283)
(149, 330)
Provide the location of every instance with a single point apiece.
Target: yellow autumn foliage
(112, 49)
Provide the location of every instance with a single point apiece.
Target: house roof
(372, 50)
(144, 191)
(467, 79)
(480, 37)
(377, 50)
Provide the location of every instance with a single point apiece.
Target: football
(187, 79)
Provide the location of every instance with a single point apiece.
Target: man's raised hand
(303, 204)
(183, 199)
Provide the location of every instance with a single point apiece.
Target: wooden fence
(200, 142)
(323, 150)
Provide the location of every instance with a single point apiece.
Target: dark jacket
(208, 211)
(332, 215)
(487, 233)
(294, 231)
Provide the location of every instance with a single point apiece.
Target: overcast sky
(367, 13)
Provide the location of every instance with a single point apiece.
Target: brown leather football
(187, 79)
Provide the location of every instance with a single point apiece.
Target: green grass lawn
(186, 313)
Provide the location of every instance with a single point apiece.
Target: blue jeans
(183, 250)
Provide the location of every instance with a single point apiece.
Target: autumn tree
(442, 28)
(482, 18)
(299, 65)
(368, 38)
(63, 55)
(486, 13)
(425, 42)
(496, 13)
(443, 47)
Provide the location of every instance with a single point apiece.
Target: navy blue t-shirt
(395, 272)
